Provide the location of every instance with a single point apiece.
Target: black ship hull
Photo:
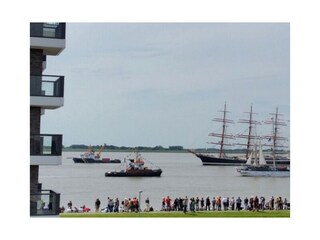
(211, 160)
(215, 161)
(90, 160)
(135, 173)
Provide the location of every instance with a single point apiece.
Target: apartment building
(46, 94)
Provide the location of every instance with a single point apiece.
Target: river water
(183, 175)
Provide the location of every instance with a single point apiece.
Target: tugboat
(90, 157)
(135, 168)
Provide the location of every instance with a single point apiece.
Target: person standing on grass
(180, 200)
(246, 201)
(197, 203)
(163, 204)
(262, 202)
(192, 204)
(232, 203)
(97, 205)
(251, 203)
(185, 204)
(116, 205)
(208, 203)
(213, 203)
(69, 206)
(147, 204)
(218, 202)
(225, 203)
(238, 203)
(256, 203)
(271, 203)
(202, 204)
(285, 204)
(168, 203)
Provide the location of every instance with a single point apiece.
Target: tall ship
(224, 160)
(275, 140)
(251, 137)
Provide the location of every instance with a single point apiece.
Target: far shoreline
(207, 151)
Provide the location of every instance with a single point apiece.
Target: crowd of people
(113, 205)
(71, 208)
(192, 204)
(219, 203)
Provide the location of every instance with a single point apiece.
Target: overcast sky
(148, 84)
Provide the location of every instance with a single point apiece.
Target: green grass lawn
(204, 214)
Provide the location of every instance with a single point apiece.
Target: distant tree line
(139, 148)
(158, 148)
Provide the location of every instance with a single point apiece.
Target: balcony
(45, 149)
(48, 36)
(46, 91)
(46, 202)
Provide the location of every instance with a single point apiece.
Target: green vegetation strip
(211, 214)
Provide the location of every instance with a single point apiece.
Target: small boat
(256, 166)
(135, 168)
(90, 157)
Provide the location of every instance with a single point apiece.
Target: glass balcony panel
(45, 144)
(47, 85)
(47, 88)
(46, 202)
(48, 30)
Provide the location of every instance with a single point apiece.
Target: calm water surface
(183, 175)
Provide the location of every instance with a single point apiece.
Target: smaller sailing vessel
(90, 157)
(256, 166)
(135, 168)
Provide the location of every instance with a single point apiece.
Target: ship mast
(248, 136)
(223, 134)
(275, 121)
